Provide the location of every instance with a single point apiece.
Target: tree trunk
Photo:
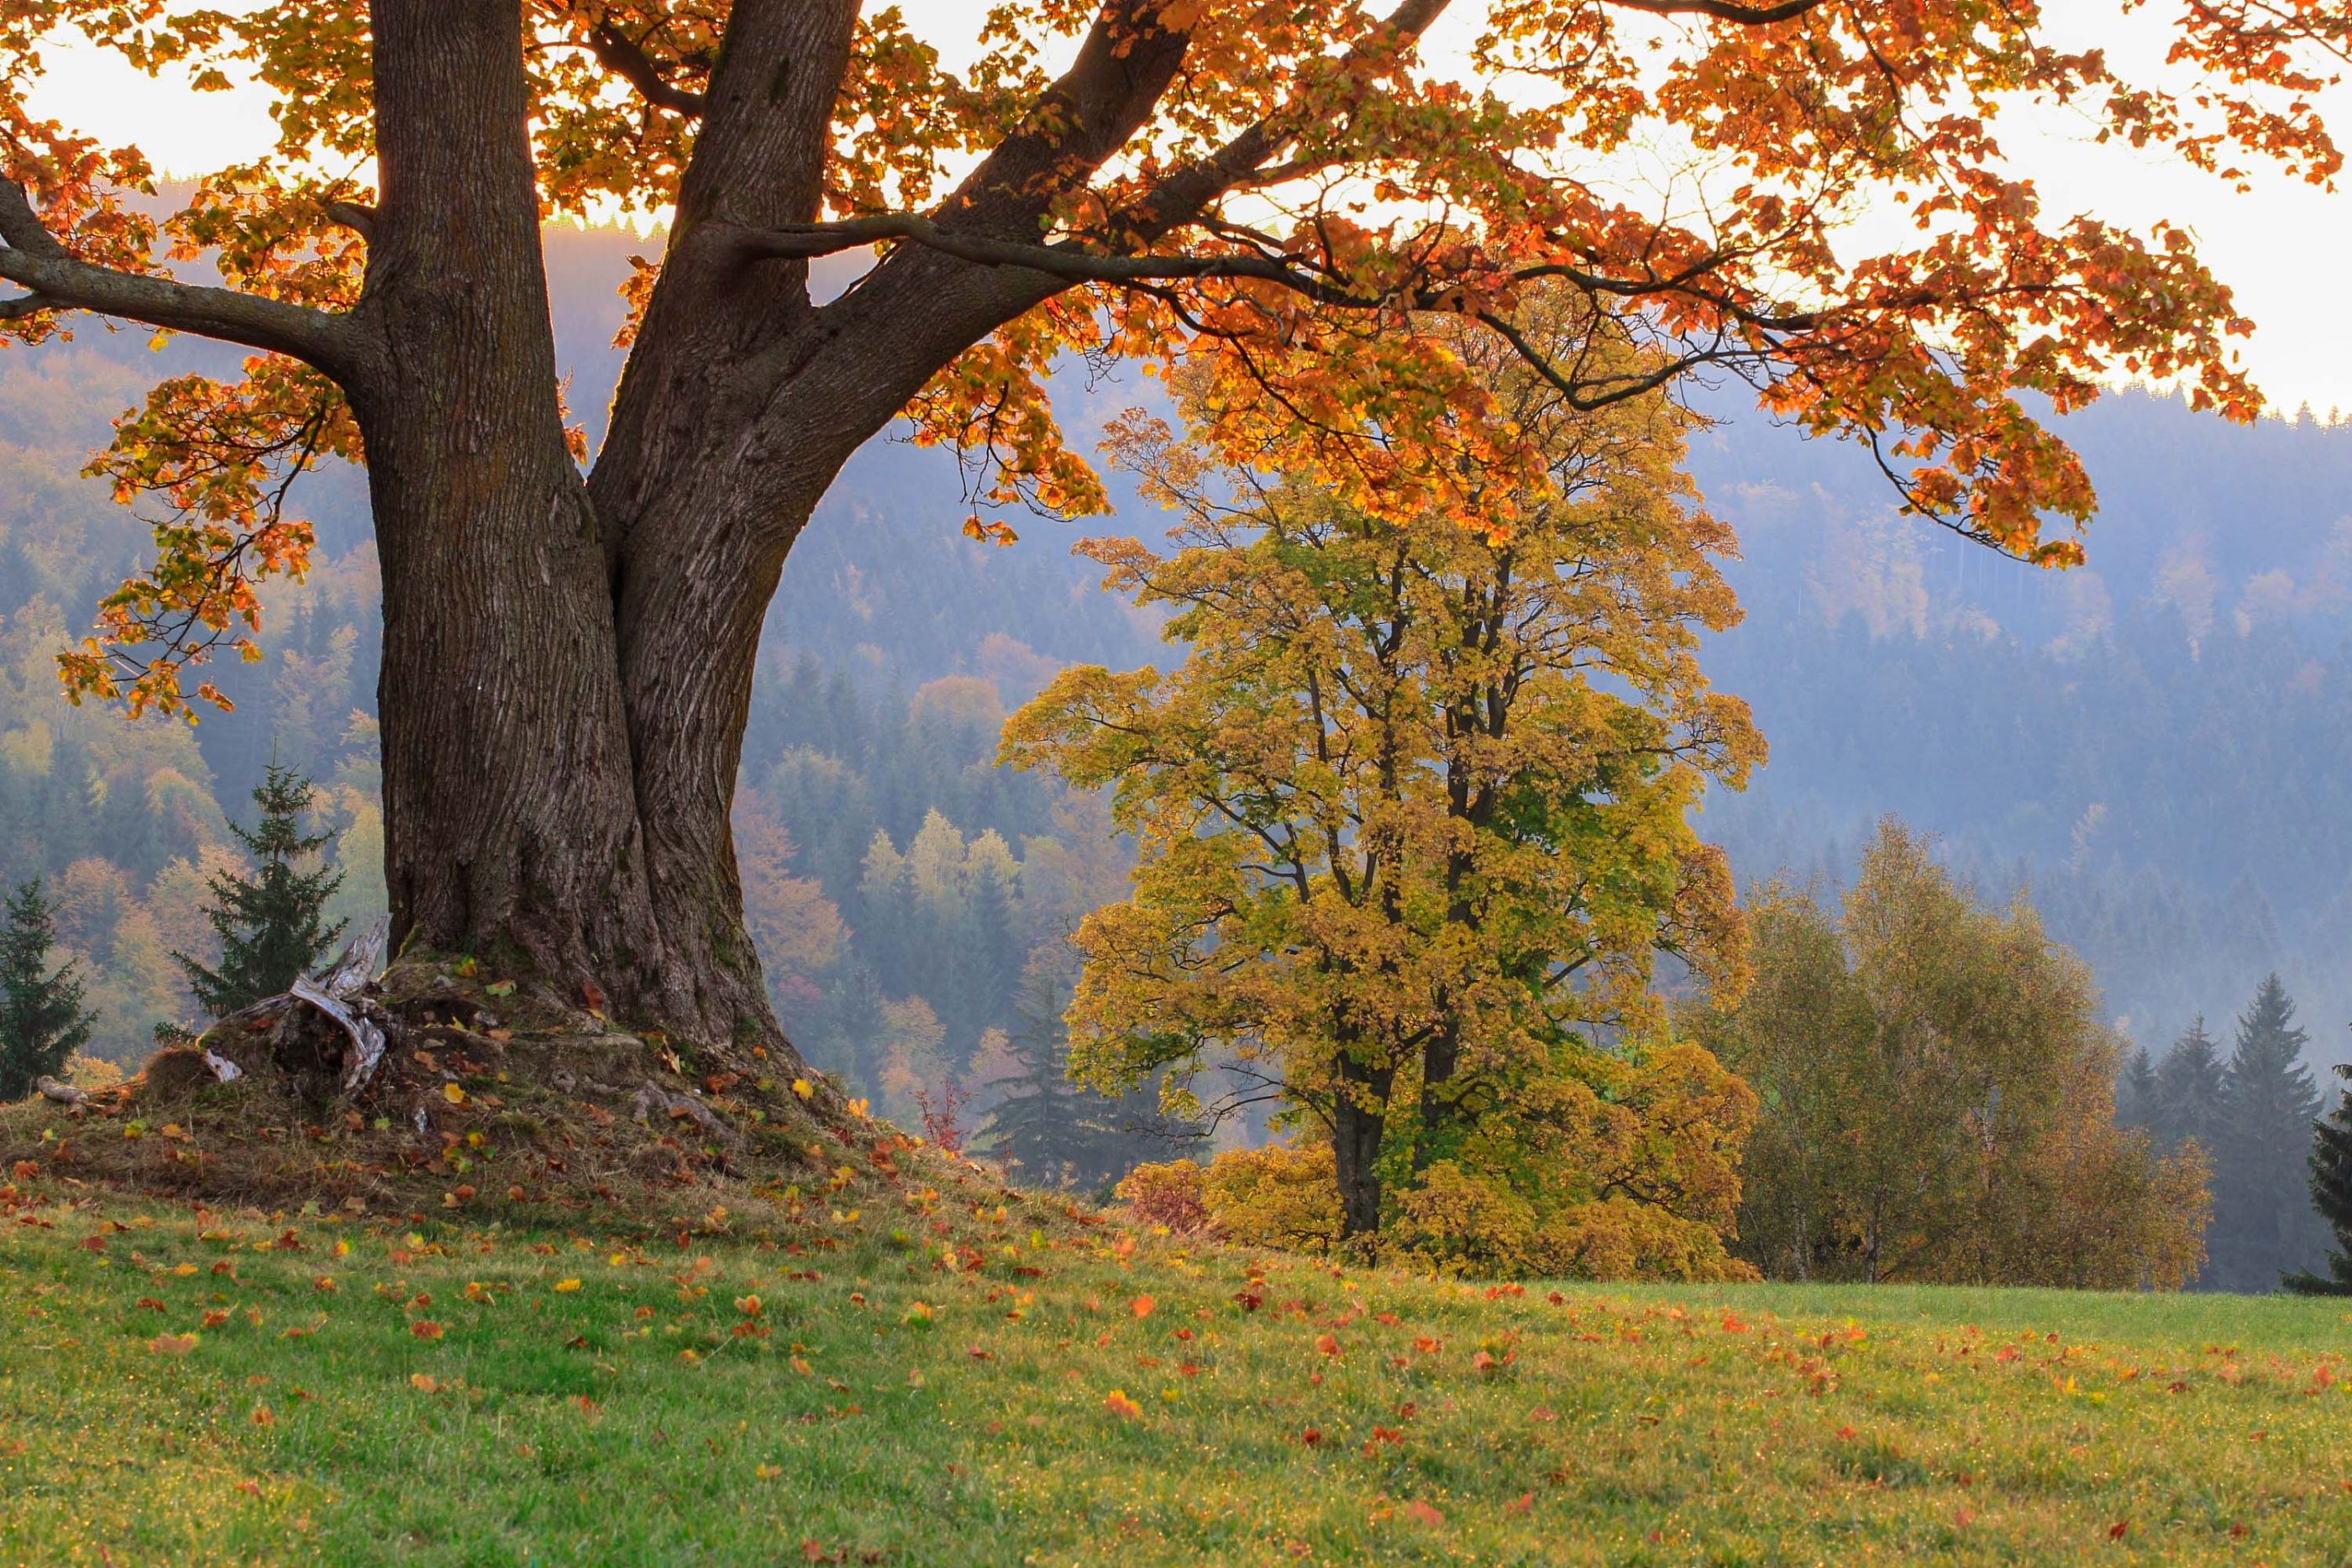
(509, 797)
(568, 666)
(1359, 1126)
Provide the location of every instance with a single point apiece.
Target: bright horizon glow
(2261, 243)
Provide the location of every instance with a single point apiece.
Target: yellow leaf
(453, 1093)
(802, 1087)
(567, 1284)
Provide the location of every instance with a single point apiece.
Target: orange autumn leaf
(1328, 1343)
(173, 1343)
(1119, 1405)
(426, 1328)
(1425, 1512)
(1141, 1306)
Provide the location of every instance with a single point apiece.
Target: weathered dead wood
(63, 1094)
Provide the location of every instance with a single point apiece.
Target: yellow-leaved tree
(1411, 818)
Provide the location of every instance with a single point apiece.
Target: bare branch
(354, 215)
(34, 258)
(1724, 10)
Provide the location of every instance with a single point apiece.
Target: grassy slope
(550, 1421)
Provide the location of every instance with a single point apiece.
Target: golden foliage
(1412, 813)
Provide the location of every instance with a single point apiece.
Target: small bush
(1168, 1194)
(1282, 1196)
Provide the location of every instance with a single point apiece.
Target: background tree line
(2025, 701)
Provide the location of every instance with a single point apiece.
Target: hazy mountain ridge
(2153, 743)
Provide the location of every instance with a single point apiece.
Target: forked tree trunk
(568, 664)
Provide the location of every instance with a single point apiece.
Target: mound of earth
(441, 1086)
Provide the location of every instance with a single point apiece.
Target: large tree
(1283, 191)
(1411, 817)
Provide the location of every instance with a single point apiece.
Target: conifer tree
(272, 924)
(42, 1021)
(2136, 1092)
(2189, 1085)
(1039, 1127)
(2262, 1227)
(2331, 1195)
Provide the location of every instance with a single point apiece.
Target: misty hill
(2155, 744)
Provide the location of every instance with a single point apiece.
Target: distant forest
(2157, 747)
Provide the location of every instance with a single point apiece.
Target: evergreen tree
(1041, 1127)
(42, 1021)
(2331, 1195)
(2188, 1102)
(1052, 1129)
(2136, 1092)
(984, 957)
(272, 924)
(2262, 1227)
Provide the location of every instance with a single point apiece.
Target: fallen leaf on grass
(173, 1343)
(1119, 1405)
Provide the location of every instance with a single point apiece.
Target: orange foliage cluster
(1304, 191)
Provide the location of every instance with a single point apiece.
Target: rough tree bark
(511, 806)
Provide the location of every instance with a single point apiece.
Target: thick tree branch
(1724, 10)
(628, 61)
(34, 258)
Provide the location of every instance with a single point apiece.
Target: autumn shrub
(1284, 1195)
(1169, 1194)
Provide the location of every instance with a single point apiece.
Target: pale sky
(2268, 244)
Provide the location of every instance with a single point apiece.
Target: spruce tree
(2331, 1195)
(272, 925)
(2189, 1083)
(2262, 1227)
(2136, 1092)
(42, 1021)
(1041, 1127)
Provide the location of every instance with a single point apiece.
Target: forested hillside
(2155, 744)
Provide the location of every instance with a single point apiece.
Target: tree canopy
(1279, 186)
(1938, 1098)
(1413, 821)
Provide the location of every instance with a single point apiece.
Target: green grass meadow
(1006, 1386)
